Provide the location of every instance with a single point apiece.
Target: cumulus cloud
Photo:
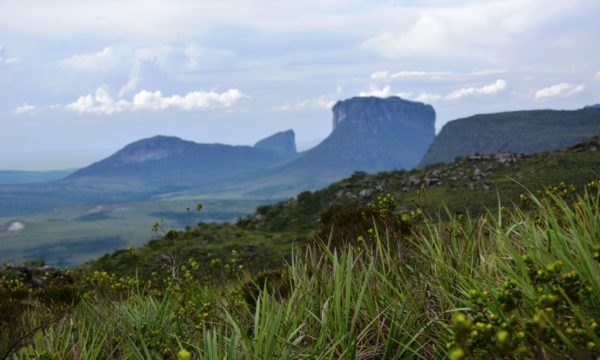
(597, 76)
(427, 97)
(322, 102)
(104, 60)
(5, 60)
(562, 89)
(102, 102)
(158, 55)
(24, 109)
(492, 89)
(375, 91)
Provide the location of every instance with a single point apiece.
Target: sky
(81, 79)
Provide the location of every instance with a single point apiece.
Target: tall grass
(383, 299)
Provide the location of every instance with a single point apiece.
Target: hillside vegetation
(519, 131)
(506, 284)
(470, 184)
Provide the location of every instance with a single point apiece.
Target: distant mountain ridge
(519, 131)
(369, 134)
(165, 160)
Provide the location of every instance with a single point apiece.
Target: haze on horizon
(82, 79)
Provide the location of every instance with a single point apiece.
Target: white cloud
(380, 75)
(421, 74)
(375, 91)
(431, 75)
(492, 89)
(428, 98)
(322, 102)
(562, 89)
(386, 91)
(104, 60)
(24, 109)
(102, 102)
(159, 55)
(387, 75)
(466, 31)
(597, 76)
(5, 60)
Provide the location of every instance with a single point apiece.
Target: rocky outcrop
(12, 226)
(283, 143)
(373, 134)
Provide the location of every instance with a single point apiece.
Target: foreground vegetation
(511, 283)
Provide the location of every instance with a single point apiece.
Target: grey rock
(414, 181)
(283, 143)
(431, 181)
(365, 193)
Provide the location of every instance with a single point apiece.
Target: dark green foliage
(277, 282)
(32, 298)
(206, 243)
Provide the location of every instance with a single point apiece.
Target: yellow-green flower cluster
(499, 324)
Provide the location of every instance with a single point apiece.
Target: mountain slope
(520, 131)
(146, 169)
(369, 134)
(176, 163)
(470, 184)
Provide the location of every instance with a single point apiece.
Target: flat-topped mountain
(369, 134)
(519, 131)
(176, 162)
(380, 134)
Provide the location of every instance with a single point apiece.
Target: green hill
(520, 131)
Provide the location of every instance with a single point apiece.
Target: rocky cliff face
(283, 143)
(382, 134)
(369, 134)
(520, 131)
